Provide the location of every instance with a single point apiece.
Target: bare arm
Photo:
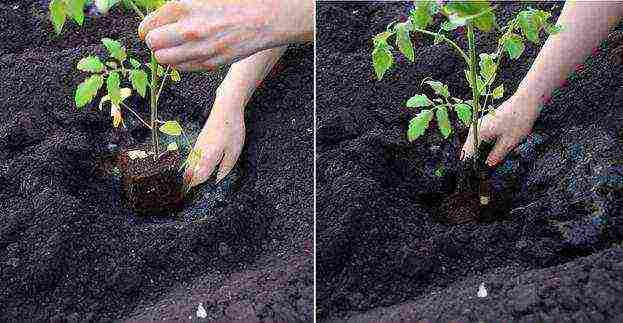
(585, 24)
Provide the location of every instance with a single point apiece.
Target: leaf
(104, 5)
(487, 66)
(464, 112)
(57, 15)
(382, 59)
(418, 125)
(453, 23)
(115, 49)
(138, 78)
(87, 90)
(76, 10)
(553, 29)
(91, 64)
(421, 16)
(112, 86)
(403, 40)
(135, 63)
(440, 171)
(439, 88)
(498, 92)
(479, 82)
(443, 122)
(171, 128)
(125, 93)
(514, 46)
(418, 101)
(175, 75)
(529, 25)
(474, 10)
(485, 22)
(172, 146)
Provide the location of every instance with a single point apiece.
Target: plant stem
(136, 9)
(444, 38)
(475, 95)
(136, 115)
(164, 79)
(154, 104)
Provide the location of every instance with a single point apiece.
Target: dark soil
(382, 253)
(152, 187)
(71, 251)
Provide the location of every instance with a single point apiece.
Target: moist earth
(554, 254)
(71, 251)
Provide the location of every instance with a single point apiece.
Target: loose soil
(554, 254)
(71, 251)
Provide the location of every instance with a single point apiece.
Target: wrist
(528, 103)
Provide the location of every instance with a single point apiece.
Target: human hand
(204, 34)
(511, 123)
(220, 141)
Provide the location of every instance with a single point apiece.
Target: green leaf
(171, 128)
(115, 49)
(487, 66)
(464, 112)
(479, 82)
(474, 10)
(112, 86)
(485, 22)
(514, 46)
(443, 122)
(139, 81)
(422, 15)
(529, 25)
(91, 64)
(453, 23)
(87, 90)
(553, 29)
(57, 15)
(439, 88)
(440, 171)
(403, 40)
(418, 125)
(172, 146)
(135, 63)
(418, 101)
(175, 75)
(76, 10)
(498, 92)
(382, 59)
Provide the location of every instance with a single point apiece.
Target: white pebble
(201, 312)
(482, 291)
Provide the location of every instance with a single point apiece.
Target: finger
(169, 13)
(499, 151)
(165, 37)
(205, 167)
(194, 66)
(193, 51)
(228, 163)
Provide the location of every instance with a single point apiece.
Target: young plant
(110, 73)
(481, 70)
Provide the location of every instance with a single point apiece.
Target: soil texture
(71, 251)
(553, 254)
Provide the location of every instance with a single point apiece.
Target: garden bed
(383, 255)
(71, 251)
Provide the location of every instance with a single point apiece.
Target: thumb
(499, 151)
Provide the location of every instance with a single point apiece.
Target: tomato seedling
(119, 66)
(481, 70)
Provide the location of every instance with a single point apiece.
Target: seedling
(146, 79)
(481, 71)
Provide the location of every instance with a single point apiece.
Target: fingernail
(462, 156)
(491, 162)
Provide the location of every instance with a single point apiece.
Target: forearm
(245, 76)
(585, 24)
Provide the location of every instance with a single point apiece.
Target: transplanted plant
(481, 69)
(108, 74)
